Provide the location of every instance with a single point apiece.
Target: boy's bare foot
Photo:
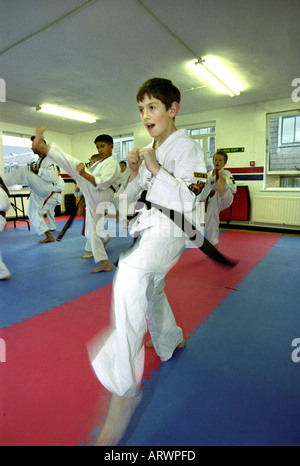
(88, 255)
(119, 415)
(149, 344)
(104, 267)
(49, 238)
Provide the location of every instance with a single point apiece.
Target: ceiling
(93, 55)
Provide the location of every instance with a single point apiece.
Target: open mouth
(150, 126)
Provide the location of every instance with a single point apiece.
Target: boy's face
(104, 149)
(219, 161)
(156, 118)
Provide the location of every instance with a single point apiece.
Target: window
(16, 152)
(283, 151)
(290, 130)
(122, 146)
(205, 136)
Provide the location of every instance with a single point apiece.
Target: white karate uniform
(120, 201)
(44, 184)
(107, 174)
(4, 207)
(217, 203)
(138, 294)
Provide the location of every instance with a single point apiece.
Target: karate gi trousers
(215, 205)
(36, 209)
(138, 298)
(4, 205)
(40, 190)
(4, 272)
(94, 235)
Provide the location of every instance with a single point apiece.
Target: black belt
(3, 213)
(114, 190)
(190, 230)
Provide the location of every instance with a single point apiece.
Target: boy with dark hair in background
(98, 185)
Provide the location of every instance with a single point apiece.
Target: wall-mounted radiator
(276, 210)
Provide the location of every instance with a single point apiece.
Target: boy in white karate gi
(167, 168)
(98, 185)
(92, 238)
(46, 192)
(218, 195)
(4, 207)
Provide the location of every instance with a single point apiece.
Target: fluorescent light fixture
(66, 113)
(214, 72)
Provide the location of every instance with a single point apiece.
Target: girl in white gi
(46, 192)
(167, 169)
(218, 195)
(4, 207)
(98, 185)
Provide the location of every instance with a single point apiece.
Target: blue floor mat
(235, 382)
(47, 275)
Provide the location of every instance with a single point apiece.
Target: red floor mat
(48, 390)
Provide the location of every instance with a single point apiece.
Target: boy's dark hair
(222, 152)
(160, 88)
(104, 138)
(33, 137)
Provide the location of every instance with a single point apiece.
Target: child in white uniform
(218, 195)
(167, 169)
(37, 205)
(4, 207)
(46, 189)
(93, 237)
(98, 185)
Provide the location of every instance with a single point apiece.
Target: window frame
(122, 139)
(280, 133)
(29, 153)
(203, 136)
(279, 173)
